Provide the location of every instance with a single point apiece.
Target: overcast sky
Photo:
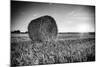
(69, 18)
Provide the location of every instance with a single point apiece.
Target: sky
(68, 17)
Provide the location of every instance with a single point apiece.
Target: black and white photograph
(45, 33)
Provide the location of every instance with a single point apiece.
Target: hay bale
(43, 29)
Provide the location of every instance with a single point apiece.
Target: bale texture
(43, 29)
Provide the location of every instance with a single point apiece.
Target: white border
(4, 33)
(82, 2)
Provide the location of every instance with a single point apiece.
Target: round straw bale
(43, 29)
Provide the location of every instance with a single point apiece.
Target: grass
(26, 53)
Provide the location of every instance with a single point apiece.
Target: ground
(67, 48)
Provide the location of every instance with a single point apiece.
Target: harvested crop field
(67, 48)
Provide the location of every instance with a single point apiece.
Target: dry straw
(43, 29)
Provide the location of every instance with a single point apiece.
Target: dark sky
(69, 18)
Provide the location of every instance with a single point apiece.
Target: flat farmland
(67, 48)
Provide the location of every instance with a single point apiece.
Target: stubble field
(67, 48)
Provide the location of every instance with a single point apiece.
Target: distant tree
(16, 31)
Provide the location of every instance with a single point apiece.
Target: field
(67, 48)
